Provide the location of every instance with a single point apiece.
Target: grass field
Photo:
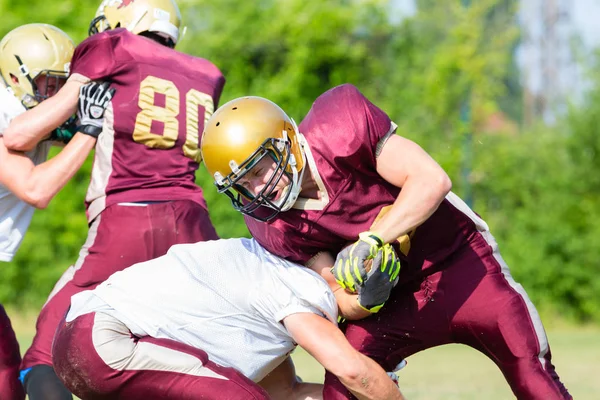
(457, 372)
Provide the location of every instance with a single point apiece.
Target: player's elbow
(349, 371)
(443, 183)
(13, 140)
(36, 198)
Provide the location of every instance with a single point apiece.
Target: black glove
(93, 100)
(380, 280)
(349, 268)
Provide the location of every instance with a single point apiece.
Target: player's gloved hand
(65, 132)
(380, 281)
(93, 100)
(349, 268)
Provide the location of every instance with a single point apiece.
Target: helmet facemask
(261, 206)
(39, 90)
(53, 81)
(98, 24)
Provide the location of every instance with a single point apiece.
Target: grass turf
(454, 372)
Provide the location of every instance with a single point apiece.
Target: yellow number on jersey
(167, 115)
(150, 112)
(193, 99)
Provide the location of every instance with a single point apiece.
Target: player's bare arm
(28, 129)
(37, 185)
(424, 184)
(348, 305)
(327, 344)
(283, 384)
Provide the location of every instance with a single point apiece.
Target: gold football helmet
(31, 51)
(161, 17)
(238, 135)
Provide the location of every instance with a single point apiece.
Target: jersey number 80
(167, 115)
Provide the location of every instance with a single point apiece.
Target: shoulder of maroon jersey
(200, 66)
(336, 97)
(342, 95)
(346, 91)
(90, 42)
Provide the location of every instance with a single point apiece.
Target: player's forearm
(37, 185)
(371, 382)
(48, 178)
(327, 344)
(28, 129)
(283, 384)
(348, 305)
(417, 201)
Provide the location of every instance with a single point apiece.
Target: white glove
(94, 97)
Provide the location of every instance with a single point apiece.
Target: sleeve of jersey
(10, 107)
(95, 57)
(296, 293)
(370, 125)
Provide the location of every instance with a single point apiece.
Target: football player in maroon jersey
(342, 176)
(34, 63)
(142, 196)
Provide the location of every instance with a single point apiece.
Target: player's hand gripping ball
(381, 278)
(350, 268)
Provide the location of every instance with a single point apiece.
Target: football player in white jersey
(208, 320)
(34, 63)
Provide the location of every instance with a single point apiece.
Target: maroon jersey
(342, 131)
(148, 150)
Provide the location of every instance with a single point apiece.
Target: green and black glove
(380, 281)
(349, 269)
(65, 132)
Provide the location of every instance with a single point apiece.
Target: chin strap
(295, 187)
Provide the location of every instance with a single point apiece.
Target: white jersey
(226, 297)
(15, 214)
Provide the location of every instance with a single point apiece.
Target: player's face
(257, 178)
(47, 86)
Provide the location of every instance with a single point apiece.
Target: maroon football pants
(472, 300)
(97, 357)
(119, 237)
(10, 358)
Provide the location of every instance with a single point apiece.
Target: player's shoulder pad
(201, 65)
(111, 34)
(345, 93)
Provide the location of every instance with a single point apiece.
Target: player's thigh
(193, 222)
(495, 315)
(177, 222)
(187, 372)
(97, 357)
(412, 320)
(118, 238)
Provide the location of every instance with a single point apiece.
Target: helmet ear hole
(14, 79)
